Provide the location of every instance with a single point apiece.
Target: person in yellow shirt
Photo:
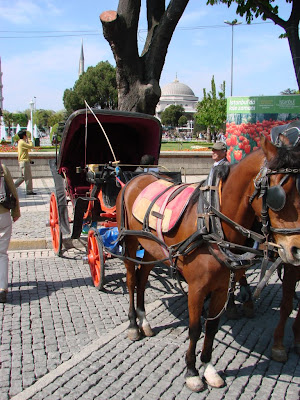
(6, 217)
(24, 145)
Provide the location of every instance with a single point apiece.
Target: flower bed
(6, 148)
(245, 137)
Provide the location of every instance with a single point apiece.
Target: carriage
(100, 151)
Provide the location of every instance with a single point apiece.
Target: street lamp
(31, 116)
(232, 23)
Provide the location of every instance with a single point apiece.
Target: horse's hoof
(297, 348)
(194, 383)
(133, 334)
(212, 378)
(279, 355)
(232, 313)
(147, 331)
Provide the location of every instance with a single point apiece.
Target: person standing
(221, 137)
(219, 152)
(24, 145)
(6, 217)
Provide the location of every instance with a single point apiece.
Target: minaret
(81, 61)
(1, 93)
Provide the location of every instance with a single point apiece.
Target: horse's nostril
(296, 252)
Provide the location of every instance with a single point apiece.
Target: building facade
(177, 93)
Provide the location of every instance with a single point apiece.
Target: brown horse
(205, 273)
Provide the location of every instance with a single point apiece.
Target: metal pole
(231, 59)
(31, 117)
(234, 22)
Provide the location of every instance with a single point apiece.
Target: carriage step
(108, 215)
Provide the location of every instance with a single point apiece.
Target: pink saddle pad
(171, 212)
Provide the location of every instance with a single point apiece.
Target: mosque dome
(176, 88)
(177, 93)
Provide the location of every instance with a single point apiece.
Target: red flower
(233, 140)
(238, 154)
(247, 148)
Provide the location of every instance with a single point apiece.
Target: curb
(28, 244)
(35, 244)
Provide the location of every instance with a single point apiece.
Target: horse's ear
(269, 149)
(284, 140)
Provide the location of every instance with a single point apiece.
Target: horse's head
(279, 186)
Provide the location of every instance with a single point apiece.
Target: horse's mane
(222, 172)
(286, 157)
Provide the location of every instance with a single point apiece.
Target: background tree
(20, 118)
(171, 115)
(289, 91)
(138, 75)
(211, 110)
(97, 86)
(57, 117)
(182, 121)
(41, 118)
(264, 8)
(8, 120)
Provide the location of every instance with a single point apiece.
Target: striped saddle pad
(168, 207)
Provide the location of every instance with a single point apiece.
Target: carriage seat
(76, 182)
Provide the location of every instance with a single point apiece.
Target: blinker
(276, 198)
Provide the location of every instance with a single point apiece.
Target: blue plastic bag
(109, 237)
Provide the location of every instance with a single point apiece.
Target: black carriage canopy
(131, 136)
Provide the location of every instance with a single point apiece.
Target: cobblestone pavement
(34, 211)
(61, 338)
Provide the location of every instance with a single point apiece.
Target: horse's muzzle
(290, 255)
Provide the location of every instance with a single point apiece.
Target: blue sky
(40, 43)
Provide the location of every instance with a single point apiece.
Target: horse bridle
(273, 197)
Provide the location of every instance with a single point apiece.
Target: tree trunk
(292, 31)
(138, 76)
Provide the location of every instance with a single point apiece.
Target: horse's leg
(286, 306)
(133, 332)
(248, 305)
(142, 279)
(195, 305)
(216, 305)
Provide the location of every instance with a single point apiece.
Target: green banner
(264, 104)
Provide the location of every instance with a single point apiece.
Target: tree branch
(269, 14)
(155, 56)
(155, 11)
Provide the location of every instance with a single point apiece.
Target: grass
(165, 146)
(184, 146)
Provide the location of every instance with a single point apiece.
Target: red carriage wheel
(96, 258)
(54, 226)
